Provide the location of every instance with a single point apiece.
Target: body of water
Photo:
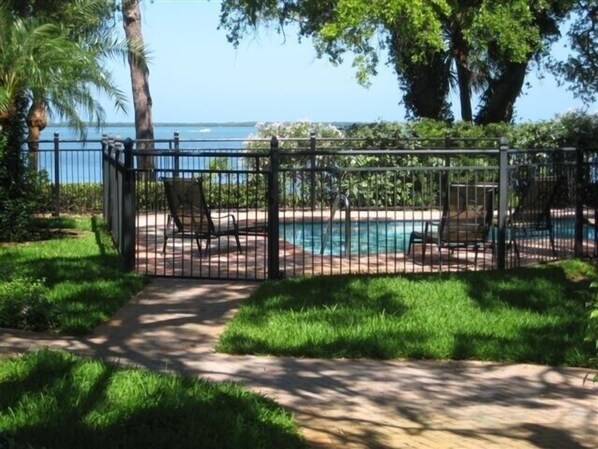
(162, 131)
(360, 238)
(376, 237)
(81, 161)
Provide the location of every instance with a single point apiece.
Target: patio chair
(465, 222)
(533, 212)
(190, 216)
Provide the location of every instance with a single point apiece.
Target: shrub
(592, 329)
(75, 198)
(16, 182)
(24, 304)
(80, 198)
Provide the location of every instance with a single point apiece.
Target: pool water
(366, 237)
(380, 236)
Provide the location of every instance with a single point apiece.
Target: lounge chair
(465, 221)
(190, 216)
(533, 212)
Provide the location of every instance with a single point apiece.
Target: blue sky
(197, 76)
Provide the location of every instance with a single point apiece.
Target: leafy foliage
(39, 58)
(580, 69)
(481, 45)
(84, 275)
(592, 327)
(17, 202)
(341, 166)
(50, 56)
(75, 198)
(24, 304)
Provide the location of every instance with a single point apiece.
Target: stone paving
(173, 324)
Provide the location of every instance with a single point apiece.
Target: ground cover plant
(524, 315)
(68, 278)
(52, 399)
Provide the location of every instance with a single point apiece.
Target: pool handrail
(340, 202)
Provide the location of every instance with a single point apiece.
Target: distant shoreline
(164, 124)
(188, 125)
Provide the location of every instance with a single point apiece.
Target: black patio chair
(190, 215)
(533, 212)
(465, 222)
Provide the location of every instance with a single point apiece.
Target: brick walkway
(172, 325)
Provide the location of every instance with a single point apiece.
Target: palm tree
(142, 100)
(40, 62)
(57, 75)
(84, 21)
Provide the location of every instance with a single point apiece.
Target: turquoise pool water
(380, 236)
(366, 237)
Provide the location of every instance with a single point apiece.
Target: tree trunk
(142, 100)
(426, 84)
(37, 120)
(460, 56)
(498, 100)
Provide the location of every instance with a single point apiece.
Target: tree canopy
(580, 69)
(473, 46)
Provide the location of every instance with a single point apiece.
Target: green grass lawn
(84, 274)
(525, 315)
(55, 400)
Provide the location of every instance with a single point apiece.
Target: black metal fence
(71, 171)
(327, 206)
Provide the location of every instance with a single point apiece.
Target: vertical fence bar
(113, 154)
(503, 190)
(273, 210)
(312, 177)
(579, 194)
(128, 207)
(177, 150)
(56, 212)
(106, 178)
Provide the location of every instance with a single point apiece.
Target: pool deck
(222, 261)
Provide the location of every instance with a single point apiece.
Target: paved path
(173, 324)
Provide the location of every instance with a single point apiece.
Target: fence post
(312, 147)
(128, 207)
(503, 198)
(579, 194)
(176, 154)
(273, 206)
(56, 212)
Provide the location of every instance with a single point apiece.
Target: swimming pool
(381, 236)
(365, 237)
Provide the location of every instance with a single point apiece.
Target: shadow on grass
(538, 289)
(85, 275)
(382, 345)
(98, 235)
(61, 401)
(532, 315)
